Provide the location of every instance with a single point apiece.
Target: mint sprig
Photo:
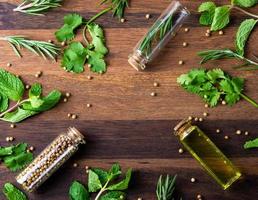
(12, 88)
(214, 85)
(13, 193)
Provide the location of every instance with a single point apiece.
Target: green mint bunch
(36, 7)
(15, 157)
(242, 36)
(218, 17)
(106, 184)
(12, 89)
(76, 55)
(13, 193)
(214, 86)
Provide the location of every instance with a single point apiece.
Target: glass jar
(158, 35)
(50, 159)
(207, 154)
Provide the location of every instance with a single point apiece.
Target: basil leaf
(12, 193)
(122, 185)
(11, 86)
(245, 3)
(113, 195)
(18, 115)
(77, 191)
(4, 103)
(221, 18)
(94, 183)
(243, 33)
(207, 10)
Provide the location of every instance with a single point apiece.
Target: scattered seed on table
(223, 102)
(217, 131)
(208, 31)
(69, 115)
(139, 198)
(221, 32)
(75, 165)
(7, 139)
(11, 139)
(63, 43)
(190, 118)
(199, 196)
(238, 132)
(89, 77)
(86, 167)
(156, 84)
(246, 133)
(122, 20)
(185, 44)
(196, 119)
(87, 171)
(206, 105)
(74, 116)
(12, 126)
(207, 34)
(205, 114)
(187, 29)
(226, 137)
(153, 94)
(180, 150)
(65, 100)
(67, 94)
(193, 180)
(50, 41)
(88, 105)
(180, 62)
(200, 119)
(9, 64)
(89, 65)
(27, 87)
(147, 16)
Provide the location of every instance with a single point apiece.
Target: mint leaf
(19, 157)
(103, 175)
(10, 86)
(251, 144)
(35, 90)
(71, 22)
(74, 57)
(4, 103)
(243, 33)
(122, 185)
(13, 193)
(221, 18)
(77, 191)
(245, 3)
(113, 195)
(207, 10)
(18, 115)
(94, 183)
(98, 39)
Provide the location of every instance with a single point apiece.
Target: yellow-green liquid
(210, 157)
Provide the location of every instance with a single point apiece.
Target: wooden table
(125, 124)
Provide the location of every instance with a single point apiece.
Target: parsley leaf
(71, 22)
(213, 85)
(74, 57)
(243, 33)
(96, 61)
(251, 144)
(13, 193)
(77, 191)
(16, 157)
(207, 10)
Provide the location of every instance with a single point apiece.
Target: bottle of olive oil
(207, 154)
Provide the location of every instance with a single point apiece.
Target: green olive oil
(207, 154)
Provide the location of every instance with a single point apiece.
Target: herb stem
(102, 190)
(249, 100)
(13, 107)
(246, 12)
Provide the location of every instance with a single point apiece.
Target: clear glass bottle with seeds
(158, 35)
(50, 159)
(207, 154)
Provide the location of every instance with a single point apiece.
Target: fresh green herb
(243, 33)
(13, 193)
(78, 192)
(40, 48)
(219, 17)
(166, 187)
(251, 144)
(157, 33)
(213, 85)
(15, 157)
(36, 7)
(11, 87)
(66, 32)
(118, 7)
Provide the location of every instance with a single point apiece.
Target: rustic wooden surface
(126, 124)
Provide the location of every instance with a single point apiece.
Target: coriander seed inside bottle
(216, 164)
(50, 159)
(158, 35)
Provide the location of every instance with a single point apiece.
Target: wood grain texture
(125, 124)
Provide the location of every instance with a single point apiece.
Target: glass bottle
(158, 35)
(50, 159)
(207, 154)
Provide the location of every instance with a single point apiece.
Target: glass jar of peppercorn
(50, 159)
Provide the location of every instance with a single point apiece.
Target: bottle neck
(137, 61)
(181, 129)
(75, 135)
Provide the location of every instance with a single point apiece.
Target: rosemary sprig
(118, 7)
(40, 48)
(157, 33)
(35, 7)
(166, 187)
(227, 53)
